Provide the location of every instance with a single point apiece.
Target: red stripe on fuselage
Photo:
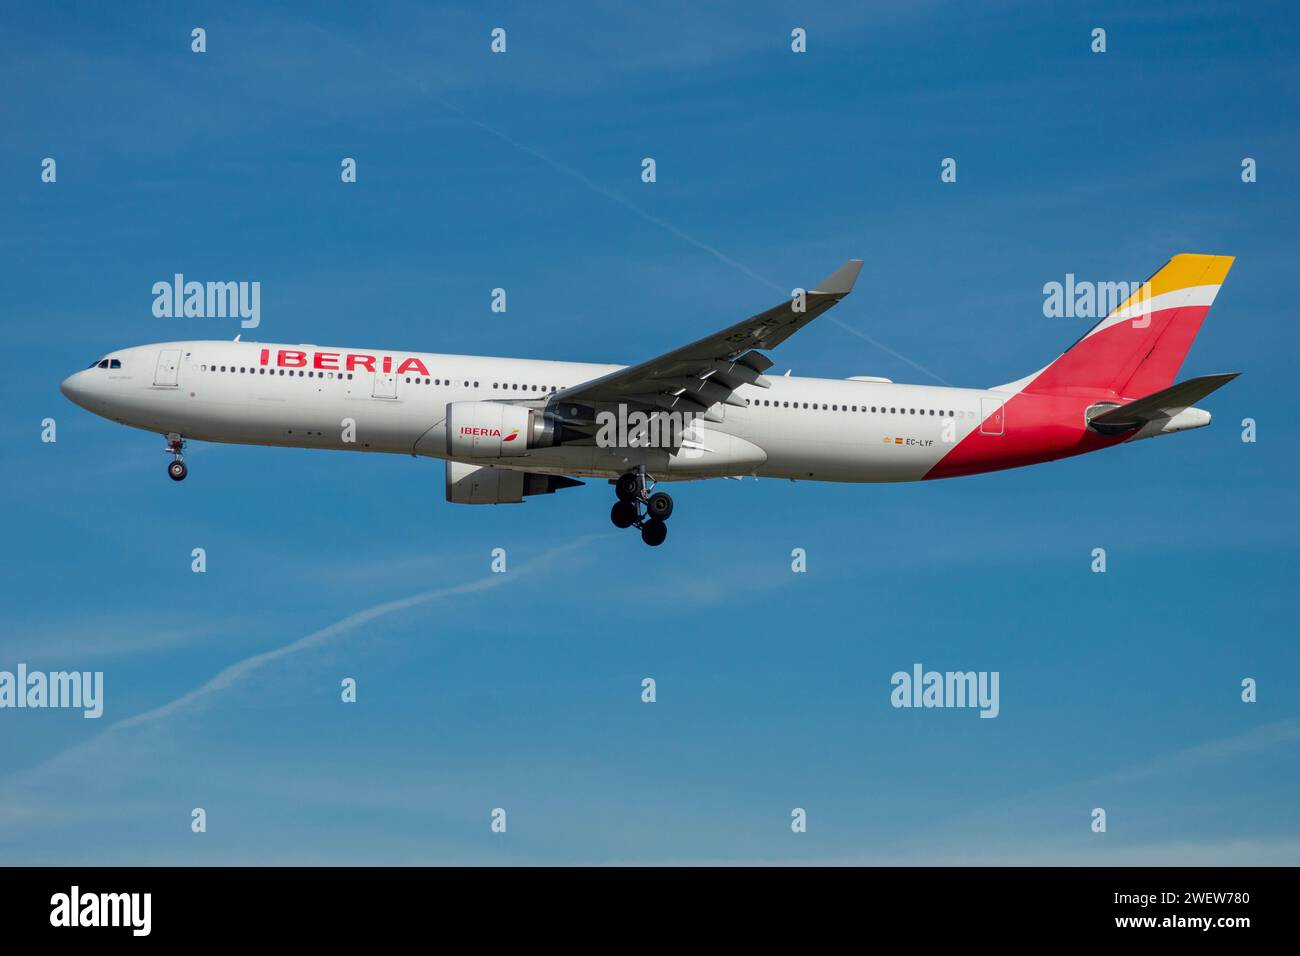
(1035, 428)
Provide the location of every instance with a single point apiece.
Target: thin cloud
(241, 670)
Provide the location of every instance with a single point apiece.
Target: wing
(699, 376)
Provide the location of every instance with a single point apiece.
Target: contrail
(608, 193)
(661, 223)
(236, 672)
(885, 348)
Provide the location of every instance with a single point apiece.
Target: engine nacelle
(487, 485)
(500, 430)
(487, 429)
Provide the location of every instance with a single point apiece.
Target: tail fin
(1139, 347)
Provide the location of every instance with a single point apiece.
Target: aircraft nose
(74, 388)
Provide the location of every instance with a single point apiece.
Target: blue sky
(522, 690)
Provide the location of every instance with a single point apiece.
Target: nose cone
(76, 388)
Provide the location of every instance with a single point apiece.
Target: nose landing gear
(176, 470)
(637, 507)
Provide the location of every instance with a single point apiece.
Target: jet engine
(500, 430)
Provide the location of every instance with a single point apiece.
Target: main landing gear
(637, 507)
(176, 471)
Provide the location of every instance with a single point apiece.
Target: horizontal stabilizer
(1165, 403)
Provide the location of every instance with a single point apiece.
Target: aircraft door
(168, 370)
(992, 410)
(385, 385)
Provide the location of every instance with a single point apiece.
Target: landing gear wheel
(177, 471)
(653, 532)
(660, 506)
(623, 514)
(628, 487)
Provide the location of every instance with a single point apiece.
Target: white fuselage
(396, 402)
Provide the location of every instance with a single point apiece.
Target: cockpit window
(103, 363)
(115, 363)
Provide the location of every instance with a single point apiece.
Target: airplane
(508, 429)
